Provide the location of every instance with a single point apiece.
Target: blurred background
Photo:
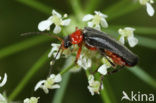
(18, 55)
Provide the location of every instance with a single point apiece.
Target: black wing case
(101, 40)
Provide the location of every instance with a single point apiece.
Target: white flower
(4, 80)
(54, 50)
(50, 83)
(103, 68)
(96, 20)
(31, 100)
(55, 19)
(127, 32)
(149, 8)
(84, 61)
(2, 99)
(94, 86)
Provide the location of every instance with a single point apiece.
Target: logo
(138, 96)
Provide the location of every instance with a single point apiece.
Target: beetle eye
(67, 42)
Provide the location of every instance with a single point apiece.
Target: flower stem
(58, 97)
(77, 9)
(67, 69)
(143, 76)
(28, 76)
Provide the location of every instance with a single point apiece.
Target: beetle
(99, 41)
(96, 40)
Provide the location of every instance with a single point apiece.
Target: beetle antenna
(53, 61)
(42, 33)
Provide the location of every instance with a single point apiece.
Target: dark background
(17, 18)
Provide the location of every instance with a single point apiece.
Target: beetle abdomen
(101, 40)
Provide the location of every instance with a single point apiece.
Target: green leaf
(58, 97)
(37, 5)
(91, 5)
(121, 8)
(143, 76)
(15, 48)
(28, 76)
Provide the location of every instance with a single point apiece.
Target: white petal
(55, 86)
(65, 15)
(58, 78)
(66, 22)
(130, 29)
(121, 32)
(103, 69)
(4, 80)
(57, 29)
(150, 9)
(58, 55)
(87, 17)
(91, 90)
(27, 100)
(104, 23)
(56, 13)
(45, 89)
(132, 41)
(98, 27)
(39, 84)
(2, 98)
(90, 24)
(143, 2)
(84, 62)
(100, 14)
(50, 53)
(52, 76)
(122, 39)
(44, 25)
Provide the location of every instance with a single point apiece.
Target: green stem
(28, 76)
(36, 5)
(104, 96)
(15, 48)
(107, 94)
(75, 4)
(67, 69)
(143, 76)
(58, 97)
(91, 5)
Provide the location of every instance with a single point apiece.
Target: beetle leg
(103, 53)
(101, 82)
(116, 70)
(78, 52)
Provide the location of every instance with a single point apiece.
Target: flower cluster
(56, 19)
(94, 86)
(50, 83)
(96, 20)
(149, 8)
(106, 64)
(31, 100)
(127, 32)
(84, 61)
